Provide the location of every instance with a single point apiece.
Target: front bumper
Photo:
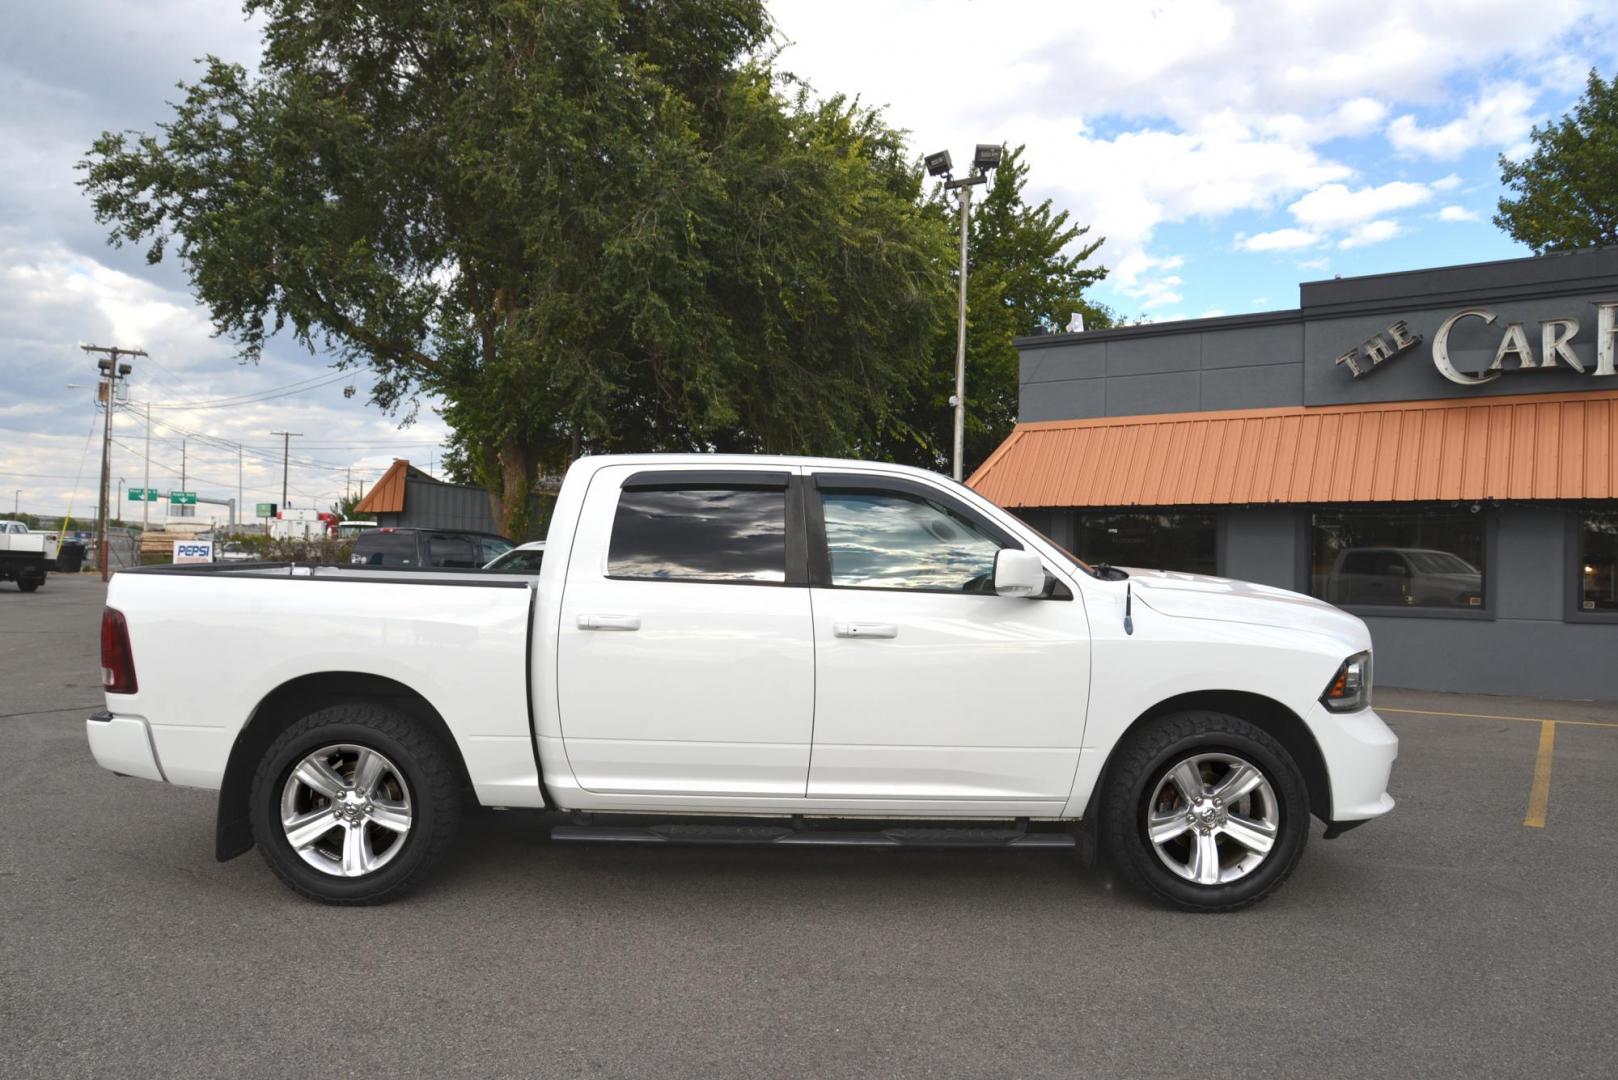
(1359, 750)
(123, 744)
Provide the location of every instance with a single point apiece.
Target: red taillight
(117, 661)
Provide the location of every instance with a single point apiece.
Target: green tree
(1027, 272)
(1567, 188)
(581, 224)
(344, 508)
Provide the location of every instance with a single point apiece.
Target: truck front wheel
(353, 803)
(1203, 811)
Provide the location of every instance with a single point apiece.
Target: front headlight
(1350, 689)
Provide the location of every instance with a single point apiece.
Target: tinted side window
(451, 551)
(700, 534)
(387, 549)
(892, 540)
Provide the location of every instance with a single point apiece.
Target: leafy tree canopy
(583, 224)
(1567, 188)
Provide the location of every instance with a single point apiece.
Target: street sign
(182, 498)
(142, 494)
(266, 509)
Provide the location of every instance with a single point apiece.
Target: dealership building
(1435, 451)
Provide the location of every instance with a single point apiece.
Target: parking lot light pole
(984, 161)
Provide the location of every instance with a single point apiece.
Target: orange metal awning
(387, 495)
(1531, 446)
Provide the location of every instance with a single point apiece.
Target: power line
(313, 383)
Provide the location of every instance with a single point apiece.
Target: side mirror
(1018, 573)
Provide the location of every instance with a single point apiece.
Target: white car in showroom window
(772, 650)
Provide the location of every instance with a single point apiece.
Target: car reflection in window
(887, 540)
(705, 534)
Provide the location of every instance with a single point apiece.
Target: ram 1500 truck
(762, 650)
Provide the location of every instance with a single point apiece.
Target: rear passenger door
(685, 660)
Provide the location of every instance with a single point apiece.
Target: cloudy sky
(1226, 151)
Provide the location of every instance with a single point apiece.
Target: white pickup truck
(759, 650)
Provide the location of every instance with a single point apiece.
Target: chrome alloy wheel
(345, 810)
(1213, 818)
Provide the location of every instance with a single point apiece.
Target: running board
(784, 836)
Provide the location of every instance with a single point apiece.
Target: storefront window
(1149, 540)
(1397, 558)
(1598, 562)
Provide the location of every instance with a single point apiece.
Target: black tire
(424, 766)
(1132, 777)
(29, 584)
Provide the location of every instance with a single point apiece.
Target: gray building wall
(1288, 357)
(1529, 640)
(432, 505)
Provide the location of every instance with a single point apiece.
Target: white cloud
(1371, 232)
(1139, 116)
(1457, 213)
(1314, 264)
(1145, 279)
(1499, 117)
(1446, 183)
(1334, 206)
(1278, 240)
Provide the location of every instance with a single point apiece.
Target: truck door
(685, 660)
(929, 687)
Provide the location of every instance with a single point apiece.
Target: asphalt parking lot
(1449, 939)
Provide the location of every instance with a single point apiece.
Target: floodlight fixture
(939, 164)
(987, 158)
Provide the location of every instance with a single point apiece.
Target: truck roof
(596, 461)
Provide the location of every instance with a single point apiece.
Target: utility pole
(16, 496)
(239, 502)
(182, 462)
(286, 459)
(111, 372)
(146, 499)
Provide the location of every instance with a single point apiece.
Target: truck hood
(1198, 596)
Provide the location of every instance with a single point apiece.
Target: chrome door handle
(609, 622)
(865, 629)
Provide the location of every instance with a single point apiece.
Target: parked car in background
(522, 559)
(25, 556)
(1404, 577)
(446, 548)
(785, 651)
(233, 551)
(348, 530)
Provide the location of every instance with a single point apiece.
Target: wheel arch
(285, 704)
(1274, 718)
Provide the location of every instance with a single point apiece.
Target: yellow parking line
(1487, 716)
(1539, 796)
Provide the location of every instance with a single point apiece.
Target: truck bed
(213, 642)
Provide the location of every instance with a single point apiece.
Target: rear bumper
(123, 744)
(1359, 750)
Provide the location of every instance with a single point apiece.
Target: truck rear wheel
(1204, 812)
(28, 583)
(353, 803)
